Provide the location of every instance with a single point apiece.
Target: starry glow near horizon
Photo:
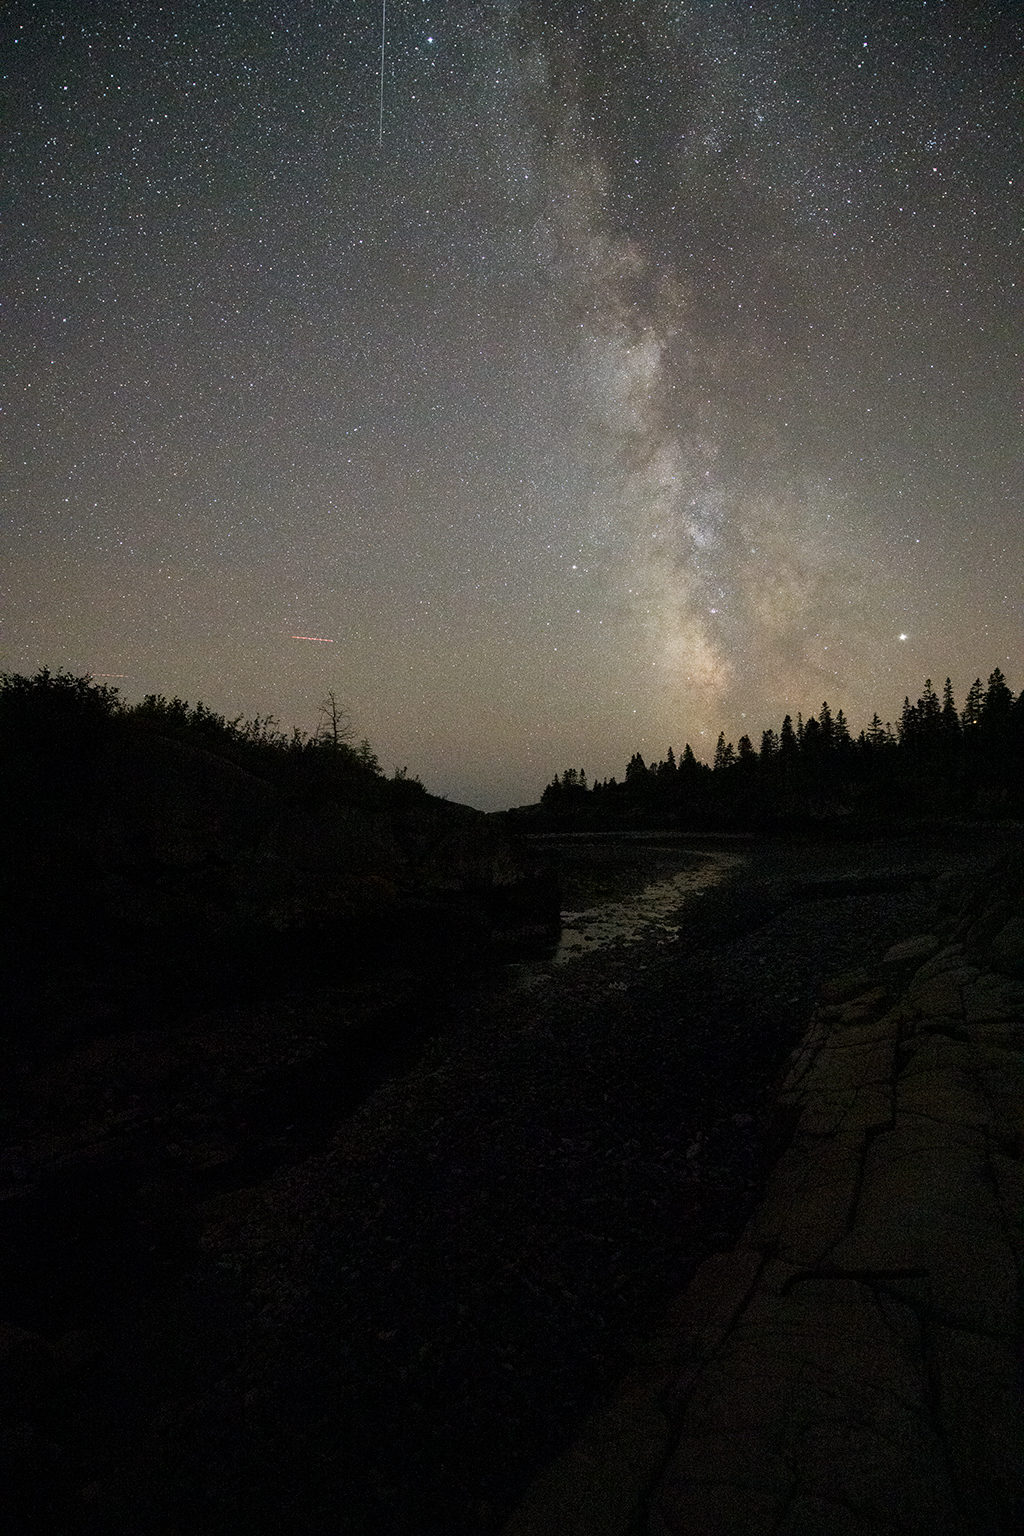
(663, 363)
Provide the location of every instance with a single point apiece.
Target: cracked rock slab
(872, 1380)
(853, 1367)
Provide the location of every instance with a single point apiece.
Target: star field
(641, 370)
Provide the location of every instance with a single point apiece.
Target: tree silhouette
(812, 738)
(841, 733)
(826, 726)
(939, 762)
(334, 728)
(929, 717)
(950, 720)
(876, 733)
(997, 708)
(973, 707)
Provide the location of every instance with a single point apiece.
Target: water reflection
(652, 912)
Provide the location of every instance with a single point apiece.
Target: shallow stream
(652, 912)
(625, 888)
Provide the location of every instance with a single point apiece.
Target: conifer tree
(811, 741)
(929, 716)
(841, 732)
(995, 715)
(970, 719)
(908, 724)
(997, 718)
(827, 730)
(950, 720)
(1017, 721)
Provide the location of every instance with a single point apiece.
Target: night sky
(593, 377)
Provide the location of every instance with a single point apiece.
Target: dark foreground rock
(854, 1363)
(247, 1290)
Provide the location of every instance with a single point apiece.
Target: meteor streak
(383, 43)
(320, 639)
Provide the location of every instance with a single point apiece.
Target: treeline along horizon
(60, 712)
(939, 760)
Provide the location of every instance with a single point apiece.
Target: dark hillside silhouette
(163, 841)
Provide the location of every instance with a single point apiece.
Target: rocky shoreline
(393, 1322)
(853, 1363)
